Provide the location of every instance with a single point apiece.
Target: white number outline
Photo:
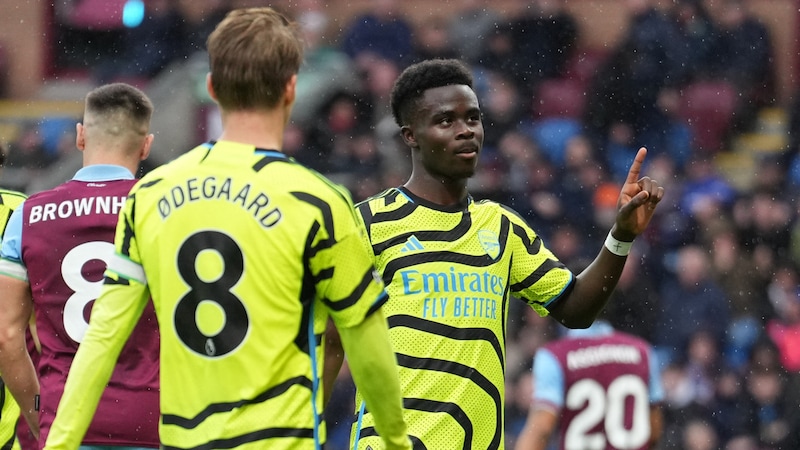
(608, 406)
(83, 290)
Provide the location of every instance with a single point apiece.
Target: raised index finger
(636, 167)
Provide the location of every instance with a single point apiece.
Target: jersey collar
(103, 172)
(459, 207)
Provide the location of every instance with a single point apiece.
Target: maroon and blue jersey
(65, 240)
(601, 383)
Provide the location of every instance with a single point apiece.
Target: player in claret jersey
(54, 253)
(600, 388)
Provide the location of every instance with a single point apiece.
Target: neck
(261, 128)
(93, 158)
(439, 191)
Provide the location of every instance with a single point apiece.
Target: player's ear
(290, 92)
(80, 136)
(408, 136)
(146, 145)
(210, 88)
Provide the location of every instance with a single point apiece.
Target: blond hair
(253, 53)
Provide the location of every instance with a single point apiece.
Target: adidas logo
(412, 244)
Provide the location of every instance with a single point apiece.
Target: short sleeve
(347, 281)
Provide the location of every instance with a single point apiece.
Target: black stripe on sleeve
(327, 217)
(533, 246)
(128, 235)
(537, 274)
(366, 215)
(338, 305)
(380, 301)
(4, 220)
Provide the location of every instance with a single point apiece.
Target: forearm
(537, 431)
(114, 315)
(334, 357)
(16, 366)
(637, 203)
(374, 369)
(20, 377)
(591, 291)
(656, 425)
(90, 372)
(530, 439)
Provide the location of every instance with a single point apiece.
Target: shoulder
(556, 346)
(485, 204)
(493, 207)
(167, 169)
(310, 186)
(386, 200)
(325, 183)
(11, 199)
(5, 193)
(630, 339)
(47, 195)
(546, 357)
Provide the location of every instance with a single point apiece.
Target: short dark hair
(417, 78)
(115, 98)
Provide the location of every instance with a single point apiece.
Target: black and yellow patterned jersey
(450, 272)
(9, 411)
(9, 201)
(246, 253)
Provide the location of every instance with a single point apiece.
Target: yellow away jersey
(9, 200)
(246, 254)
(449, 273)
(9, 411)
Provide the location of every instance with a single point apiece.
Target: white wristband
(616, 247)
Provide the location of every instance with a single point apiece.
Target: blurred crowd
(714, 283)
